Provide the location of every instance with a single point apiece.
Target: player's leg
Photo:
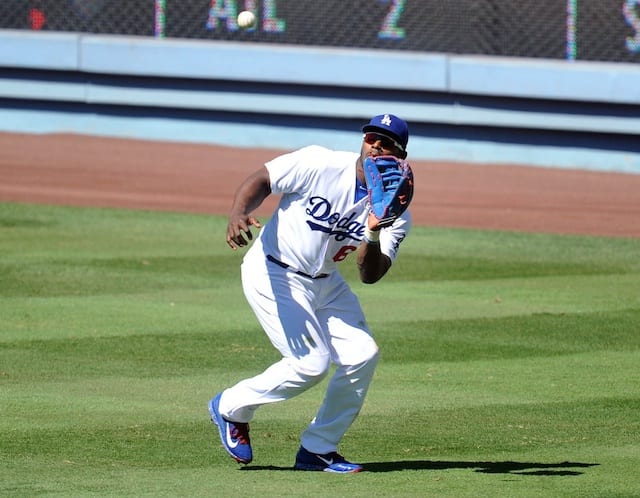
(281, 302)
(355, 354)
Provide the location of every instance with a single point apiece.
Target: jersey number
(343, 253)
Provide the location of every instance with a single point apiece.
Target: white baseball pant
(314, 324)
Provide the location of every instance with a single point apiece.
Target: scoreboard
(596, 30)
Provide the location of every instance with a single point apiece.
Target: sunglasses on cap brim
(386, 142)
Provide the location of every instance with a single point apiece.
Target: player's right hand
(238, 231)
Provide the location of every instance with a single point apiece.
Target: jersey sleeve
(295, 171)
(392, 236)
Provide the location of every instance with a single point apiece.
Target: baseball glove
(390, 186)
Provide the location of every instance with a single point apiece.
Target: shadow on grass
(518, 468)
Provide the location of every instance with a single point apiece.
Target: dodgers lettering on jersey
(320, 209)
(319, 220)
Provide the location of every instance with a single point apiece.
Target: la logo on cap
(386, 120)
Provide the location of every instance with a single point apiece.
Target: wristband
(371, 236)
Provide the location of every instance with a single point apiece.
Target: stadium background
(548, 82)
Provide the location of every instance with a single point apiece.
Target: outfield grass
(510, 364)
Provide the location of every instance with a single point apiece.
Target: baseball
(246, 19)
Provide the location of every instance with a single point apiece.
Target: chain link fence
(598, 30)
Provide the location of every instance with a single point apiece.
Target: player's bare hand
(376, 224)
(239, 232)
(373, 222)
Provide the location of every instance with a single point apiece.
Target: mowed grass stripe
(409, 387)
(184, 353)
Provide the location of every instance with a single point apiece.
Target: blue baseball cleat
(234, 435)
(329, 462)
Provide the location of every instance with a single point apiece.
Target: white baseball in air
(246, 19)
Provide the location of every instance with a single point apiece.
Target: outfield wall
(470, 108)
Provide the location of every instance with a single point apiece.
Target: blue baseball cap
(390, 125)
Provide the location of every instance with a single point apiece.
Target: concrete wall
(478, 109)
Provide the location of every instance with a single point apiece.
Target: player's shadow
(520, 468)
(517, 468)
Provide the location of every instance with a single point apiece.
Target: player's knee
(312, 368)
(367, 353)
(372, 354)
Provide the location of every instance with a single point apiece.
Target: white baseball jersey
(322, 214)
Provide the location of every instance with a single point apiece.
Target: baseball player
(304, 305)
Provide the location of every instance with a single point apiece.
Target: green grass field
(510, 364)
